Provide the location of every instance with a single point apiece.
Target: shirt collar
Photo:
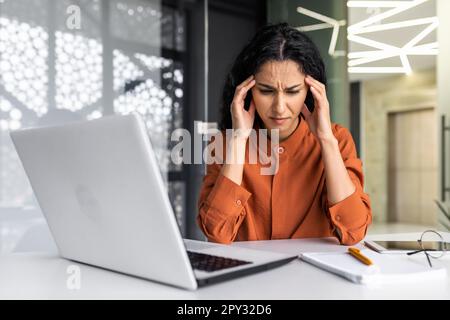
(295, 138)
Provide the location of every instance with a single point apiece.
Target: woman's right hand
(242, 119)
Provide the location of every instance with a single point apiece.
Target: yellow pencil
(355, 252)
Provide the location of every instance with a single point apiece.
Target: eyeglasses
(432, 244)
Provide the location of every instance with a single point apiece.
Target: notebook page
(386, 269)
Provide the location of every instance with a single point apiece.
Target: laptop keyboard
(210, 263)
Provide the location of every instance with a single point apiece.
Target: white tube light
(373, 24)
(376, 70)
(396, 25)
(316, 15)
(374, 4)
(327, 24)
(376, 18)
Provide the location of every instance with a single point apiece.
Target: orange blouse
(290, 204)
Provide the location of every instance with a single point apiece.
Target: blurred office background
(388, 71)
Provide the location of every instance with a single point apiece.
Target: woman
(318, 188)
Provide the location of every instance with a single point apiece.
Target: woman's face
(279, 94)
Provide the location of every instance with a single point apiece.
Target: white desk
(44, 276)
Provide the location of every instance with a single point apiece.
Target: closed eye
(264, 91)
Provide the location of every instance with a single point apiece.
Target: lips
(279, 121)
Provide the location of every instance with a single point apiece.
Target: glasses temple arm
(414, 252)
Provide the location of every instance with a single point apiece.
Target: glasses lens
(433, 242)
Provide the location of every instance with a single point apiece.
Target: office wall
(379, 98)
(443, 81)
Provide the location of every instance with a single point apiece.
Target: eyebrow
(270, 87)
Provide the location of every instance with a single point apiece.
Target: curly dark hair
(277, 42)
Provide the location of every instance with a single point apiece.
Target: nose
(279, 105)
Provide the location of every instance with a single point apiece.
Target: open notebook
(386, 269)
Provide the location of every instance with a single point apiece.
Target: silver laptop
(101, 191)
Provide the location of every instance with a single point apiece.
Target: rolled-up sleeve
(352, 216)
(221, 206)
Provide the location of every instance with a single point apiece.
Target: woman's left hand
(319, 120)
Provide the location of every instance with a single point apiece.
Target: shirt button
(338, 218)
(238, 202)
(280, 149)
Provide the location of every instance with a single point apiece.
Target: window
(123, 56)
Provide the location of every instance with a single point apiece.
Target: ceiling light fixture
(327, 23)
(357, 34)
(385, 50)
